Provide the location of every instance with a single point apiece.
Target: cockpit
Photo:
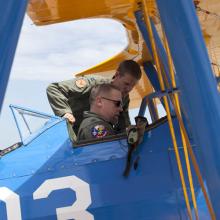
(32, 124)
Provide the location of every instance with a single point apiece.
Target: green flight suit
(93, 127)
(72, 96)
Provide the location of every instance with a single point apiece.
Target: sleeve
(97, 80)
(59, 93)
(95, 131)
(58, 98)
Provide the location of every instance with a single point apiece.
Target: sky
(53, 53)
(56, 52)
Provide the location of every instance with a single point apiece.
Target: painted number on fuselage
(76, 211)
(12, 202)
(83, 197)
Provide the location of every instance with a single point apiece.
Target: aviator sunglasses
(118, 103)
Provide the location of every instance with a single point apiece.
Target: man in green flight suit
(70, 98)
(105, 107)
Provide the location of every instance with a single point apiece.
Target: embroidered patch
(98, 131)
(81, 83)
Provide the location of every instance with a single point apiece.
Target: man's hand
(70, 117)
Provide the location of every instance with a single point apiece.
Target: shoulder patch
(99, 131)
(81, 83)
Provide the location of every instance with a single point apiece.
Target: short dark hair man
(105, 108)
(70, 98)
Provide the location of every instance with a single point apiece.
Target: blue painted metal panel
(148, 67)
(150, 192)
(152, 75)
(197, 85)
(12, 14)
(160, 48)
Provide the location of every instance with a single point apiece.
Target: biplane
(175, 168)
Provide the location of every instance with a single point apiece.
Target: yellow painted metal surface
(52, 11)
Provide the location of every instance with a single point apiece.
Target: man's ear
(116, 75)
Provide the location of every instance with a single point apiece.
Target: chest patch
(81, 83)
(99, 131)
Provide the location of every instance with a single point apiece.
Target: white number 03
(76, 211)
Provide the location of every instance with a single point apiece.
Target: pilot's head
(106, 101)
(127, 76)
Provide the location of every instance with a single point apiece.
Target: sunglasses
(118, 103)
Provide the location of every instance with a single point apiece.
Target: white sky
(55, 52)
